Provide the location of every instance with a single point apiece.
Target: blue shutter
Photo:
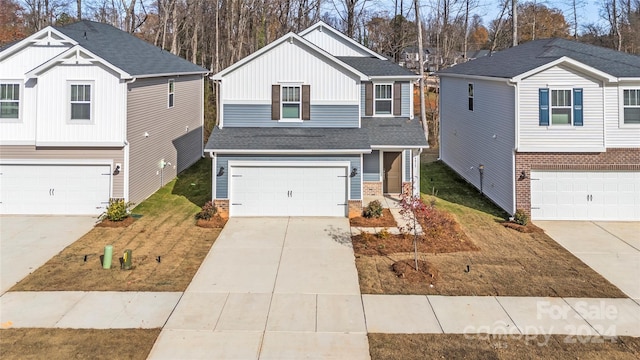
(577, 107)
(543, 101)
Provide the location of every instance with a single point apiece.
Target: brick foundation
(372, 188)
(355, 208)
(612, 160)
(406, 188)
(223, 207)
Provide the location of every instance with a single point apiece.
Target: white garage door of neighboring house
(288, 191)
(54, 189)
(585, 195)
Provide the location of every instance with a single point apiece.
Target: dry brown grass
(450, 346)
(63, 344)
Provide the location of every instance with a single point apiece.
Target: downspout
(516, 139)
(125, 165)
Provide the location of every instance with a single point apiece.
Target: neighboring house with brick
(310, 124)
(555, 125)
(89, 113)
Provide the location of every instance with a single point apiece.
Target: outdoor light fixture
(221, 171)
(523, 175)
(354, 172)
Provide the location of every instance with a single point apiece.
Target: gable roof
(376, 67)
(321, 25)
(524, 58)
(132, 55)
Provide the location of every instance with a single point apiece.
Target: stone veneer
(613, 160)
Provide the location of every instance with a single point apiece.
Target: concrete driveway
(610, 248)
(271, 288)
(27, 242)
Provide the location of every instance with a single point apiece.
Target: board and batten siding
(175, 134)
(333, 44)
(108, 107)
(482, 136)
(322, 116)
(290, 63)
(559, 138)
(371, 166)
(13, 70)
(79, 155)
(405, 105)
(221, 183)
(619, 136)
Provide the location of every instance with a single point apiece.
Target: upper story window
(383, 99)
(470, 96)
(290, 102)
(80, 101)
(9, 101)
(631, 106)
(560, 107)
(171, 93)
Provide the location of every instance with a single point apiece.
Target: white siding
(619, 136)
(485, 135)
(252, 82)
(534, 137)
(108, 106)
(14, 69)
(334, 44)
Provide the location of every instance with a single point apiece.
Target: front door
(392, 164)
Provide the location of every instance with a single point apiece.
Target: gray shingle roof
(528, 56)
(230, 138)
(394, 131)
(125, 51)
(375, 67)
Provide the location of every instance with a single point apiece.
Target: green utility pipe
(108, 254)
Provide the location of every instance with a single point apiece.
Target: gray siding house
(553, 124)
(89, 113)
(309, 125)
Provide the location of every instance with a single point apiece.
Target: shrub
(117, 210)
(383, 234)
(521, 217)
(373, 210)
(207, 212)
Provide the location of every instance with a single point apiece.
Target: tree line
(217, 33)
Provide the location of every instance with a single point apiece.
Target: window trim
(91, 102)
(390, 99)
(282, 102)
(171, 93)
(621, 122)
(570, 107)
(20, 97)
(470, 93)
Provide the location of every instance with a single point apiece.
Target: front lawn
(167, 246)
(497, 262)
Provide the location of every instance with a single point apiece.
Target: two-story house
(89, 113)
(550, 126)
(310, 124)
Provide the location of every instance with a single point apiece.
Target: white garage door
(585, 195)
(54, 189)
(288, 191)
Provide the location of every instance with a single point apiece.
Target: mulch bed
(375, 244)
(216, 222)
(527, 229)
(117, 224)
(386, 220)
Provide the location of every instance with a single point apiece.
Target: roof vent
(85, 35)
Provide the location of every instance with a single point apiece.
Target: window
(471, 97)
(171, 89)
(560, 107)
(9, 101)
(631, 106)
(291, 102)
(80, 102)
(383, 99)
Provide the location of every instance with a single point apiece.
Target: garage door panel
(288, 191)
(585, 195)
